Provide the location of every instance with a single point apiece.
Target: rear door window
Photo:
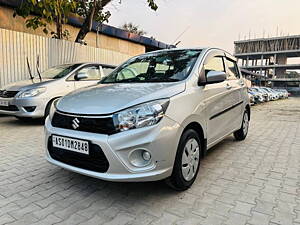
(92, 72)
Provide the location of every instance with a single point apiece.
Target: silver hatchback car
(33, 98)
(152, 118)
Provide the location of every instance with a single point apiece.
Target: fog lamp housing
(140, 158)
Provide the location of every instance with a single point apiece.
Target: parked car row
(264, 94)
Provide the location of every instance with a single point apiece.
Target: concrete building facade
(269, 56)
(271, 61)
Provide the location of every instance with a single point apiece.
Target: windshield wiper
(164, 80)
(29, 69)
(37, 67)
(136, 80)
(131, 80)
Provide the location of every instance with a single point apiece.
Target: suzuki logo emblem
(75, 123)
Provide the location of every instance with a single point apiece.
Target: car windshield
(256, 90)
(267, 90)
(253, 90)
(166, 66)
(58, 71)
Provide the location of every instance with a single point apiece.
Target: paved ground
(252, 182)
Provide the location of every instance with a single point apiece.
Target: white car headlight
(32, 92)
(142, 115)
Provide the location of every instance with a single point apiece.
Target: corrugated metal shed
(15, 47)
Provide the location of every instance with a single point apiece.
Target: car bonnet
(109, 98)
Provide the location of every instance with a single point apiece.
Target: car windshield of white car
(59, 71)
(165, 66)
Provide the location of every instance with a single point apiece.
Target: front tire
(187, 161)
(241, 134)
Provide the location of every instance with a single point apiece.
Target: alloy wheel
(190, 159)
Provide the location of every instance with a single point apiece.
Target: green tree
(93, 11)
(46, 12)
(42, 13)
(130, 27)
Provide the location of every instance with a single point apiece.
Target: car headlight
(143, 115)
(32, 92)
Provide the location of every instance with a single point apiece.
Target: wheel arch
(50, 102)
(199, 129)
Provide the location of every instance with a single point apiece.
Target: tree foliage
(46, 12)
(42, 13)
(152, 5)
(130, 27)
(91, 11)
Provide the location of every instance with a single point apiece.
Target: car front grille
(8, 94)
(95, 161)
(11, 108)
(100, 125)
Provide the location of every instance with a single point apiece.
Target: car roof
(227, 54)
(87, 63)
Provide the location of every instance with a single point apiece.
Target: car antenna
(37, 67)
(180, 35)
(29, 69)
(177, 43)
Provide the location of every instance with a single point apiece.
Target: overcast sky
(214, 23)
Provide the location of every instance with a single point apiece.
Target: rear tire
(187, 161)
(241, 134)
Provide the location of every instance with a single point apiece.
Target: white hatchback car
(152, 118)
(33, 98)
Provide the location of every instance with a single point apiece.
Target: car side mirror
(213, 77)
(81, 76)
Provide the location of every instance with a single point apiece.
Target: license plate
(3, 103)
(70, 144)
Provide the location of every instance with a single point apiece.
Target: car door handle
(228, 86)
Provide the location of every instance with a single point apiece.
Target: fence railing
(16, 46)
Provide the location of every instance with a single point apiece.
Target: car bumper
(261, 99)
(160, 140)
(17, 107)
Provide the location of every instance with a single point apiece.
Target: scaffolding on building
(268, 56)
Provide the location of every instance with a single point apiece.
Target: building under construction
(273, 59)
